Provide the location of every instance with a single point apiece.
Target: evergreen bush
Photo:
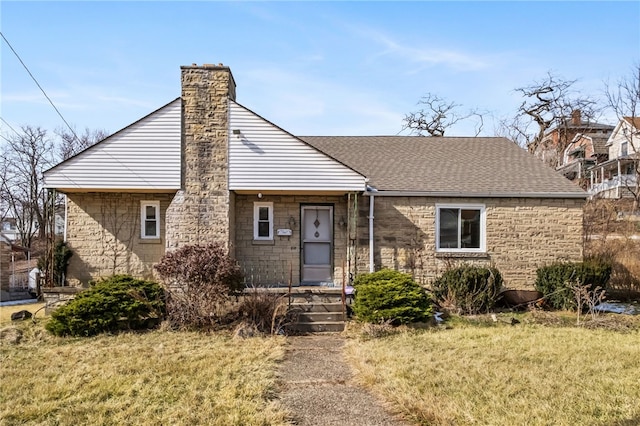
(556, 281)
(390, 296)
(58, 258)
(468, 289)
(115, 303)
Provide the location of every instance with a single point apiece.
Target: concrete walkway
(316, 385)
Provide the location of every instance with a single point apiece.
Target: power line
(38, 84)
(9, 125)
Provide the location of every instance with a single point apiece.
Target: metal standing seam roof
(465, 166)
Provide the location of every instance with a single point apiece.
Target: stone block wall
(200, 213)
(104, 235)
(522, 234)
(57, 296)
(274, 259)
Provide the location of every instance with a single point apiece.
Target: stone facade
(104, 234)
(278, 261)
(200, 212)
(522, 234)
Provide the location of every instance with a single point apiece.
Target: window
(624, 149)
(150, 219)
(460, 228)
(263, 221)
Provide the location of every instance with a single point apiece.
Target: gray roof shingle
(465, 166)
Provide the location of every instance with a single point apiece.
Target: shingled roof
(447, 165)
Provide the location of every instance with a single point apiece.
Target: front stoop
(319, 310)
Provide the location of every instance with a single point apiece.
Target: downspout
(66, 215)
(371, 202)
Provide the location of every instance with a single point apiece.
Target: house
(582, 153)
(553, 144)
(9, 228)
(13, 282)
(618, 177)
(308, 209)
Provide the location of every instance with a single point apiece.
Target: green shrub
(556, 281)
(116, 303)
(56, 261)
(390, 296)
(468, 289)
(199, 281)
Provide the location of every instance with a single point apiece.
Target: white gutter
(480, 194)
(371, 265)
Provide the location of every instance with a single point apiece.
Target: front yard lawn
(497, 374)
(170, 378)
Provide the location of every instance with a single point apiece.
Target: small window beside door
(150, 219)
(262, 221)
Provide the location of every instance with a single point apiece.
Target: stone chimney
(576, 118)
(200, 211)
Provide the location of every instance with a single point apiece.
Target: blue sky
(313, 68)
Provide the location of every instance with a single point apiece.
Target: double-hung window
(262, 221)
(624, 149)
(460, 228)
(150, 219)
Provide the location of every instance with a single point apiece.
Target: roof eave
(460, 194)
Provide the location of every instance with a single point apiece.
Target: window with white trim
(624, 149)
(262, 221)
(460, 228)
(150, 219)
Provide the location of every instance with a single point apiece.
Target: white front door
(317, 244)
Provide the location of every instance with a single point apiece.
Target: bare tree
(24, 158)
(517, 129)
(438, 115)
(624, 100)
(71, 143)
(548, 104)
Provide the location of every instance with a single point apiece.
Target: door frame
(332, 210)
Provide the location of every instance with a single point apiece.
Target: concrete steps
(319, 310)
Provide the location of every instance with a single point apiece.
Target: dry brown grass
(609, 237)
(170, 378)
(498, 374)
(34, 308)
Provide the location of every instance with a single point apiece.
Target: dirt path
(316, 385)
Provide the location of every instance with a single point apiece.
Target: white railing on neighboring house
(19, 281)
(613, 183)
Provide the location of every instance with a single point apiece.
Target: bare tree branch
(549, 103)
(437, 116)
(70, 145)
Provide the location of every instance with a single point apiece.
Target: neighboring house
(12, 279)
(581, 154)
(313, 210)
(9, 226)
(549, 150)
(9, 229)
(617, 177)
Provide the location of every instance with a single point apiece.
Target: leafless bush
(587, 299)
(267, 312)
(200, 282)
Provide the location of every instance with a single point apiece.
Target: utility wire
(9, 125)
(38, 84)
(65, 121)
